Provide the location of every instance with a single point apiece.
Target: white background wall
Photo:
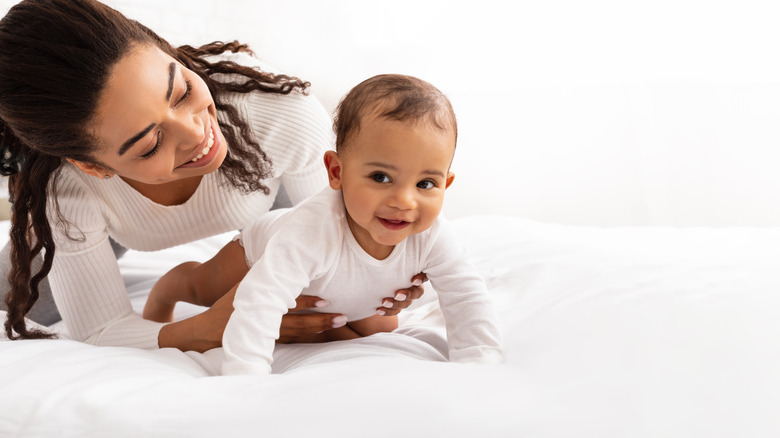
(599, 112)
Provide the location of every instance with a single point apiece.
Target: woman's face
(156, 121)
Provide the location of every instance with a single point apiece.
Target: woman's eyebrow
(129, 143)
(171, 75)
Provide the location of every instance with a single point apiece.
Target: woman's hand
(403, 298)
(204, 331)
(307, 327)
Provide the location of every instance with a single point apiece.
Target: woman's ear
(333, 165)
(450, 179)
(93, 169)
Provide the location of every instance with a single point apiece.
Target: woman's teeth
(206, 149)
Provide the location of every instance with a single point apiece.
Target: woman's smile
(205, 152)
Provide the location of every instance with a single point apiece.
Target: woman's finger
(308, 302)
(299, 325)
(419, 279)
(403, 298)
(408, 295)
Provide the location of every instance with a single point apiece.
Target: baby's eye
(380, 177)
(426, 184)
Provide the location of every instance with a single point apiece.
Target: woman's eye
(155, 148)
(426, 184)
(187, 89)
(380, 177)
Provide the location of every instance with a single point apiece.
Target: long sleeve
(85, 280)
(93, 302)
(472, 321)
(294, 251)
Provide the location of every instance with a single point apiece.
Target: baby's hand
(403, 298)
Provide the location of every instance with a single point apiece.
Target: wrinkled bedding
(609, 332)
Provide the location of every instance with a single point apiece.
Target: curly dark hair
(55, 59)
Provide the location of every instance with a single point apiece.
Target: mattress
(609, 332)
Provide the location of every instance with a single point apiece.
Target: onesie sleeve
(85, 280)
(473, 334)
(299, 250)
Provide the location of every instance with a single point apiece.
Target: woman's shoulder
(75, 202)
(294, 129)
(72, 186)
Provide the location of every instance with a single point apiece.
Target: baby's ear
(450, 179)
(333, 165)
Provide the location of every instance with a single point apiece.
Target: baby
(377, 222)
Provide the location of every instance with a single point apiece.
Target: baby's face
(393, 176)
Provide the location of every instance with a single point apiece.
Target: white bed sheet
(619, 332)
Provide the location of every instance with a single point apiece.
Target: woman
(110, 132)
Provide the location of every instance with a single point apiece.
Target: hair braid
(30, 234)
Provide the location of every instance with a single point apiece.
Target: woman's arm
(91, 297)
(204, 331)
(213, 284)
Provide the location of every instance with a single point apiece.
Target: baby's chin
(391, 240)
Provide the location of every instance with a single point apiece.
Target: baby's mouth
(393, 224)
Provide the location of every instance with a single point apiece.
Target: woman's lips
(206, 151)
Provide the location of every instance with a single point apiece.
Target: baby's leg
(176, 285)
(197, 283)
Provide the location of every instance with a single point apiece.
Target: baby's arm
(197, 283)
(473, 332)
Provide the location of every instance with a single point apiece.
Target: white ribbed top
(294, 131)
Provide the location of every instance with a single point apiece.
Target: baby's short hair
(395, 97)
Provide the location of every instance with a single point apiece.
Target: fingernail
(417, 282)
(339, 321)
(400, 297)
(321, 303)
(387, 303)
(380, 312)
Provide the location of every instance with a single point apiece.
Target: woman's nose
(190, 131)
